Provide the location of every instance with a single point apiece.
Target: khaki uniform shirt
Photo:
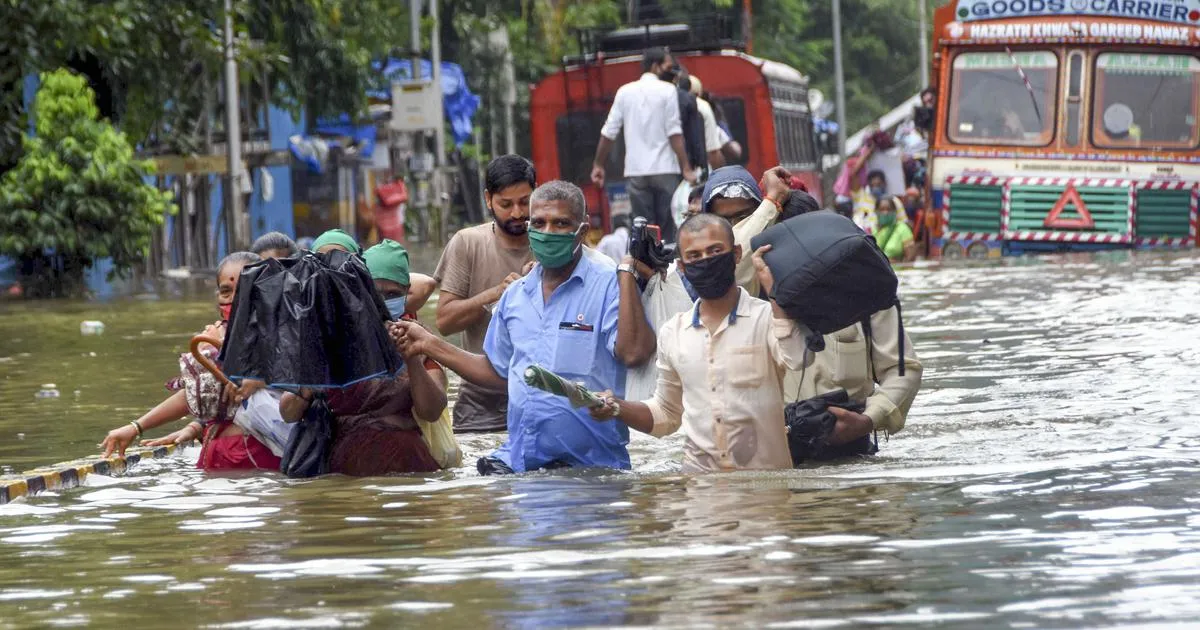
(868, 372)
(724, 388)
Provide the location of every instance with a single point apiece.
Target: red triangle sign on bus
(1082, 222)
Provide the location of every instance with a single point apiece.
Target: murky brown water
(1048, 477)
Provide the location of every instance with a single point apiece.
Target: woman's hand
(410, 338)
(187, 434)
(118, 440)
(235, 395)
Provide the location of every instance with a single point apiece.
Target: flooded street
(1049, 477)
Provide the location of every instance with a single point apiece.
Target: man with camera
(720, 364)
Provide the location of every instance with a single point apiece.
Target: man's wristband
(627, 268)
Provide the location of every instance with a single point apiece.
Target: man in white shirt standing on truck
(655, 159)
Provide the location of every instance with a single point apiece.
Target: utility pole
(924, 43)
(418, 202)
(839, 78)
(439, 133)
(748, 26)
(234, 239)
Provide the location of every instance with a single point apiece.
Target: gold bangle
(137, 427)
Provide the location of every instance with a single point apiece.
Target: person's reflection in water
(555, 516)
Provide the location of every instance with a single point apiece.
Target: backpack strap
(868, 333)
(900, 331)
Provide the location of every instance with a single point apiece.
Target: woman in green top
(895, 238)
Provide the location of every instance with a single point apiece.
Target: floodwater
(1048, 478)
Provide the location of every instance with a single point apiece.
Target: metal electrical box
(416, 106)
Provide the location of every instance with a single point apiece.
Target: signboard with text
(1175, 11)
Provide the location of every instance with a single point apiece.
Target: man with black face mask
(647, 111)
(720, 364)
(476, 267)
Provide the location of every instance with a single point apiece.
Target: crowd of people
(688, 338)
(695, 345)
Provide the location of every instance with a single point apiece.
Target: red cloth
(368, 452)
(235, 452)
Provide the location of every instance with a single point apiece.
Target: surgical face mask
(225, 309)
(396, 306)
(711, 277)
(878, 191)
(886, 219)
(669, 74)
(553, 250)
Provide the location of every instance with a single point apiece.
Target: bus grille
(1029, 206)
(975, 208)
(1163, 213)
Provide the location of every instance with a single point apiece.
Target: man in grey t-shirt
(476, 267)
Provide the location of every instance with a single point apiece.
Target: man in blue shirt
(571, 315)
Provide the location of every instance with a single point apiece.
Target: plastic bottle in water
(91, 327)
(48, 391)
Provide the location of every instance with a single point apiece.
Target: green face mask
(552, 250)
(886, 219)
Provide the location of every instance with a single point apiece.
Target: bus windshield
(991, 104)
(1145, 100)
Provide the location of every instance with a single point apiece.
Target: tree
(159, 61)
(77, 194)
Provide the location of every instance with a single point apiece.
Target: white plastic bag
(679, 202)
(259, 416)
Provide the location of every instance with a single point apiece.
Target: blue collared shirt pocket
(574, 350)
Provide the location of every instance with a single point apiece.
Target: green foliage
(78, 190)
(163, 57)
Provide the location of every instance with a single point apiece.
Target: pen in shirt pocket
(576, 326)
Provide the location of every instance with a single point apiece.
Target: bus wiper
(1028, 85)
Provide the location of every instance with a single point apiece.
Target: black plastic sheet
(310, 321)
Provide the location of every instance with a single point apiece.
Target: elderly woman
(420, 286)
(376, 431)
(197, 393)
(894, 236)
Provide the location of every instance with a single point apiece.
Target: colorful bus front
(1065, 125)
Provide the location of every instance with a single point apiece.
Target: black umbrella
(310, 321)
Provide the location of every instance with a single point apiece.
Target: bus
(765, 106)
(1064, 125)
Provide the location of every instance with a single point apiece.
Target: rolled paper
(551, 383)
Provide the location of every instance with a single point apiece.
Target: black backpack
(692, 124)
(829, 274)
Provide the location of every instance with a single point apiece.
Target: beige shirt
(764, 217)
(868, 372)
(725, 388)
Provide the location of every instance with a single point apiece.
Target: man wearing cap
(732, 194)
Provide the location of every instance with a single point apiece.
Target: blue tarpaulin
(458, 102)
